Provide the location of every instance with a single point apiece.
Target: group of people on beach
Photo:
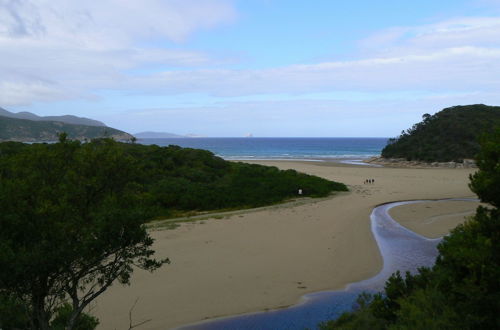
(369, 181)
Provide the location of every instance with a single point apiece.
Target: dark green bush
(84, 322)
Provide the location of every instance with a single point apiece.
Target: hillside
(68, 119)
(23, 130)
(449, 135)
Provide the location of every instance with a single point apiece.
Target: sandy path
(269, 258)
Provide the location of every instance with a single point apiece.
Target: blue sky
(266, 67)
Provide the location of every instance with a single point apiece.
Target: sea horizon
(281, 148)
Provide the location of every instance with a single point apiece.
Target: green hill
(24, 130)
(449, 135)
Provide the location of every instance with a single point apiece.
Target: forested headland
(462, 290)
(73, 215)
(25, 130)
(451, 134)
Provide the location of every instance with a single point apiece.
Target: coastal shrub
(362, 319)
(462, 289)
(188, 179)
(63, 314)
(449, 135)
(71, 225)
(486, 183)
(13, 313)
(184, 179)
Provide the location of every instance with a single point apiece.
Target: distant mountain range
(68, 119)
(28, 127)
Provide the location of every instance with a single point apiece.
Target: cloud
(60, 49)
(457, 68)
(13, 93)
(461, 54)
(458, 32)
(88, 45)
(109, 23)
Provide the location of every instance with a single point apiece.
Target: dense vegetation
(462, 290)
(449, 135)
(13, 129)
(71, 224)
(73, 213)
(192, 179)
(185, 179)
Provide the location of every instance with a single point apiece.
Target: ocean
(314, 149)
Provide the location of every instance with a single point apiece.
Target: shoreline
(261, 260)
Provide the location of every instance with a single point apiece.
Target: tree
(486, 182)
(71, 225)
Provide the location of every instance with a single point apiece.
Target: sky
(271, 68)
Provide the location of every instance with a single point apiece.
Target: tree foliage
(462, 290)
(486, 182)
(188, 179)
(449, 135)
(71, 224)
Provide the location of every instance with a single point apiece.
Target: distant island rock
(450, 135)
(157, 135)
(28, 127)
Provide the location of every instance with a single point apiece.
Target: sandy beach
(269, 258)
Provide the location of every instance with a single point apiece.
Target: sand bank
(270, 258)
(433, 219)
